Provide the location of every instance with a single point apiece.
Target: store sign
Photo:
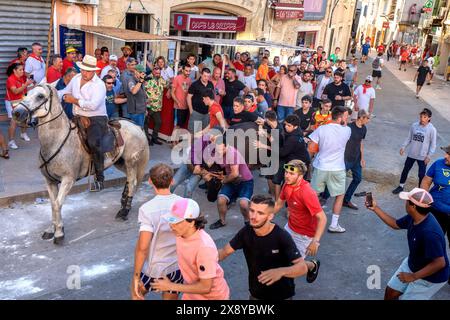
(314, 9)
(71, 38)
(288, 10)
(428, 6)
(205, 23)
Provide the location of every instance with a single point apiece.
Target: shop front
(205, 26)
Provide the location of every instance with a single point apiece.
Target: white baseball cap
(418, 196)
(370, 78)
(113, 57)
(182, 209)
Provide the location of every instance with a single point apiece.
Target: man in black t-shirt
(197, 108)
(232, 89)
(354, 155)
(305, 114)
(273, 259)
(239, 114)
(421, 75)
(337, 91)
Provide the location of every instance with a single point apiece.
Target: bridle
(31, 112)
(45, 162)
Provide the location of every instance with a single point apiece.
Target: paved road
(103, 249)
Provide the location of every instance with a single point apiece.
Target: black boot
(156, 141)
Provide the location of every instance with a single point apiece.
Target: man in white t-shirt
(322, 82)
(364, 96)
(377, 66)
(248, 78)
(329, 163)
(156, 245)
(35, 64)
(306, 88)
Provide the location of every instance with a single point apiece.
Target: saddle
(112, 141)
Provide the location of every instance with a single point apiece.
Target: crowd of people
(312, 115)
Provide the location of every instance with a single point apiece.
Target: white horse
(63, 160)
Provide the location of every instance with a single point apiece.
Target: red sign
(205, 23)
(386, 25)
(281, 14)
(217, 25)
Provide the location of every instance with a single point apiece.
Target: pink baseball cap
(418, 196)
(182, 209)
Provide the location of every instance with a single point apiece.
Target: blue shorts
(416, 290)
(174, 277)
(241, 191)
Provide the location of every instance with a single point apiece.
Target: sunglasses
(329, 71)
(291, 168)
(110, 83)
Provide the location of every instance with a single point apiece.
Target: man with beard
(122, 62)
(272, 257)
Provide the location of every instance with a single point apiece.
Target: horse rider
(87, 92)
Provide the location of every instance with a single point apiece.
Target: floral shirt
(155, 89)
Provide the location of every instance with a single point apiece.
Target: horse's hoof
(58, 240)
(122, 215)
(47, 235)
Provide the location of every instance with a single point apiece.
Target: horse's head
(37, 104)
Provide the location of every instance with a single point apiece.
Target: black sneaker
(202, 186)
(397, 190)
(312, 274)
(216, 225)
(156, 141)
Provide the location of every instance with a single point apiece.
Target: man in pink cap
(198, 257)
(426, 270)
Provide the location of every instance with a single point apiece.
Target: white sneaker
(12, 145)
(378, 88)
(25, 137)
(337, 229)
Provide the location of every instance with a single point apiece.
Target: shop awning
(119, 34)
(238, 43)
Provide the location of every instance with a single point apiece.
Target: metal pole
(145, 55)
(223, 67)
(49, 36)
(177, 56)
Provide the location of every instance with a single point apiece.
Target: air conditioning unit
(86, 2)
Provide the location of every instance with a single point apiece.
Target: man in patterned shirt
(154, 89)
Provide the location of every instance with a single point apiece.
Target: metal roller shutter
(22, 22)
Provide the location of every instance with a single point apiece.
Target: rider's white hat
(89, 63)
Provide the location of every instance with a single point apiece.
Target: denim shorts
(174, 277)
(416, 290)
(137, 118)
(240, 191)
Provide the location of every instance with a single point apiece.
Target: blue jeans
(357, 177)
(180, 176)
(137, 118)
(283, 112)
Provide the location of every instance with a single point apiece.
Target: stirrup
(96, 186)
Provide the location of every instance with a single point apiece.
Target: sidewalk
(396, 108)
(22, 181)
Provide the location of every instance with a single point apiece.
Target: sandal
(5, 154)
(216, 225)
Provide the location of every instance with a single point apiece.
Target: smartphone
(369, 199)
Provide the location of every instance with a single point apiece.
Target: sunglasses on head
(291, 168)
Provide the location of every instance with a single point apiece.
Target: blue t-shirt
(110, 105)
(426, 243)
(440, 173)
(365, 48)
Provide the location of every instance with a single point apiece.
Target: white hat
(113, 57)
(418, 196)
(182, 209)
(89, 63)
(370, 78)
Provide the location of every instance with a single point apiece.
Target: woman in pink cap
(198, 257)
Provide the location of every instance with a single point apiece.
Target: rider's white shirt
(91, 97)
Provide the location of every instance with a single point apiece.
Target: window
(137, 22)
(365, 10)
(307, 39)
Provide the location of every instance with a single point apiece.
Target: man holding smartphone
(426, 269)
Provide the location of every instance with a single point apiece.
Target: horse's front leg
(52, 189)
(64, 188)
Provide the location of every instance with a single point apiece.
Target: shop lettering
(288, 14)
(213, 25)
